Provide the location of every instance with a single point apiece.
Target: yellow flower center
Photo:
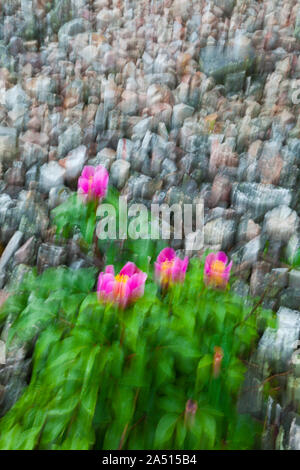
(90, 183)
(166, 265)
(166, 272)
(217, 269)
(119, 287)
(121, 278)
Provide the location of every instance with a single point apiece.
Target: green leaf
(296, 260)
(181, 432)
(204, 371)
(208, 424)
(164, 430)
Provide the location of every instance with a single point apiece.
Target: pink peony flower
(93, 182)
(169, 269)
(216, 273)
(122, 289)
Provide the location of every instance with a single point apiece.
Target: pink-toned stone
(162, 112)
(159, 94)
(255, 149)
(38, 138)
(220, 192)
(34, 124)
(253, 230)
(25, 252)
(221, 156)
(270, 168)
(286, 118)
(258, 277)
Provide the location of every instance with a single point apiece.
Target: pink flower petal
(211, 257)
(100, 182)
(208, 262)
(221, 256)
(185, 264)
(110, 269)
(177, 274)
(228, 268)
(83, 184)
(157, 271)
(129, 269)
(167, 254)
(136, 285)
(105, 284)
(88, 171)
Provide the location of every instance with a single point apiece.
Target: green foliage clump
(103, 378)
(164, 373)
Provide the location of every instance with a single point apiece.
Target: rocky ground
(180, 100)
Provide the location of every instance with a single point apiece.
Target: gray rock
(18, 117)
(281, 223)
(6, 60)
(33, 153)
(251, 398)
(125, 150)
(105, 158)
(119, 173)
(140, 129)
(277, 346)
(79, 264)
(13, 379)
(259, 278)
(280, 277)
(69, 140)
(51, 255)
(168, 166)
(297, 26)
(16, 96)
(226, 5)
(294, 147)
(294, 279)
(218, 62)
(252, 250)
(168, 79)
(32, 175)
(7, 254)
(51, 176)
(74, 163)
(11, 247)
(257, 199)
(8, 143)
(142, 187)
(294, 433)
(220, 232)
(241, 288)
(234, 82)
(72, 28)
(290, 298)
(2, 353)
(46, 91)
(25, 254)
(58, 195)
(180, 113)
(9, 218)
